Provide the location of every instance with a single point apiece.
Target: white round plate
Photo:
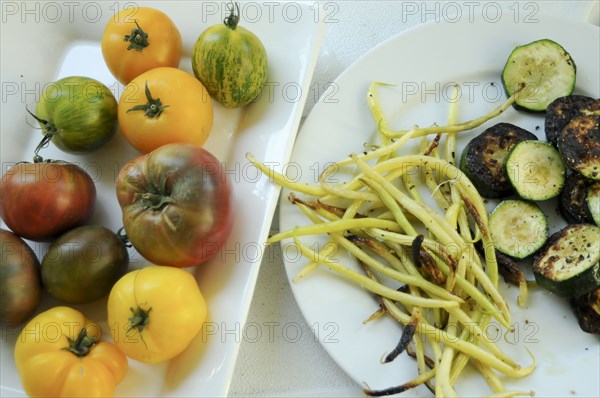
(424, 64)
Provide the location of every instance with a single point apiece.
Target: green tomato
(83, 264)
(231, 62)
(77, 114)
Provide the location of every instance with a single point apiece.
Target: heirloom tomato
(40, 201)
(163, 106)
(155, 312)
(20, 283)
(138, 39)
(177, 205)
(77, 114)
(83, 264)
(59, 354)
(231, 62)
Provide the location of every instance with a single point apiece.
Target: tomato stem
(138, 39)
(82, 345)
(151, 109)
(49, 130)
(233, 18)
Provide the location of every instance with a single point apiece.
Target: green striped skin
(231, 63)
(83, 110)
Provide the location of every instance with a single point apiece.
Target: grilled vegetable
(518, 228)
(593, 202)
(587, 311)
(579, 145)
(484, 158)
(568, 265)
(560, 112)
(536, 171)
(544, 71)
(572, 201)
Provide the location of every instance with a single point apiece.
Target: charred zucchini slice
(579, 145)
(569, 263)
(536, 170)
(484, 158)
(544, 68)
(587, 311)
(560, 112)
(593, 202)
(518, 228)
(572, 201)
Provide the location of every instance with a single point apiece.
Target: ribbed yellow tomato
(155, 312)
(138, 39)
(59, 354)
(165, 106)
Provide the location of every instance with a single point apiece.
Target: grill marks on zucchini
(568, 265)
(484, 158)
(579, 145)
(536, 170)
(560, 112)
(518, 228)
(544, 68)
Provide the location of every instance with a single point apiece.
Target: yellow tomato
(165, 106)
(138, 39)
(59, 354)
(155, 312)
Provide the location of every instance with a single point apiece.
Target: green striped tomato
(78, 114)
(231, 62)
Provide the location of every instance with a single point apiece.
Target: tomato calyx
(139, 320)
(232, 20)
(153, 201)
(138, 39)
(82, 345)
(151, 109)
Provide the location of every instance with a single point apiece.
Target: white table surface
(279, 356)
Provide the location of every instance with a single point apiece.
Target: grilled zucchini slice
(536, 170)
(579, 145)
(573, 202)
(544, 68)
(587, 311)
(484, 158)
(569, 263)
(560, 112)
(518, 228)
(593, 202)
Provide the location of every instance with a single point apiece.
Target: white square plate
(44, 41)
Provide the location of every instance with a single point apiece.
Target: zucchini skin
(579, 145)
(572, 202)
(483, 159)
(560, 112)
(563, 251)
(587, 311)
